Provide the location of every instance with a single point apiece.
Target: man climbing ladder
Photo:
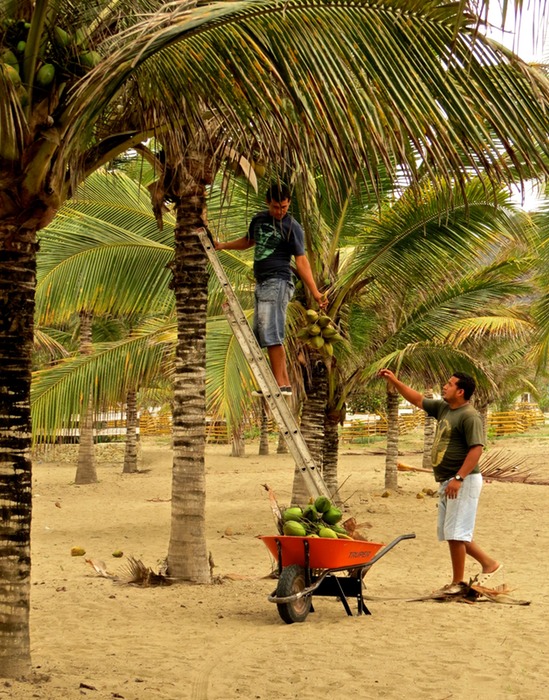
(270, 389)
(277, 237)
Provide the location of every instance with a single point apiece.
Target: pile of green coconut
(320, 518)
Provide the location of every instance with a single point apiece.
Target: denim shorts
(272, 297)
(456, 516)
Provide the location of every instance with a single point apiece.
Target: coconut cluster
(320, 333)
(317, 519)
(62, 54)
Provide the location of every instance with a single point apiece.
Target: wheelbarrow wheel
(292, 581)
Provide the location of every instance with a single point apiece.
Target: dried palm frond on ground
(137, 574)
(498, 465)
(99, 567)
(472, 593)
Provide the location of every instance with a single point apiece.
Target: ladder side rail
(265, 378)
(286, 422)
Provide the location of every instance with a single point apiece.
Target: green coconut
(316, 342)
(89, 59)
(324, 321)
(13, 75)
(294, 513)
(332, 516)
(311, 513)
(328, 332)
(45, 75)
(294, 529)
(323, 504)
(10, 58)
(62, 38)
(327, 532)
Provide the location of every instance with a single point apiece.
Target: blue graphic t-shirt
(275, 243)
(458, 429)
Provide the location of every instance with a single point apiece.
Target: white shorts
(456, 516)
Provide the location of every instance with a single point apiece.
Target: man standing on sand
(276, 237)
(456, 452)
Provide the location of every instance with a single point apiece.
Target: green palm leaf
(61, 392)
(104, 253)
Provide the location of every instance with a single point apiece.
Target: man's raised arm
(238, 244)
(411, 395)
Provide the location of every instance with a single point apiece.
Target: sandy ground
(94, 638)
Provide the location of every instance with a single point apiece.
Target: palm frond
(503, 465)
(434, 87)
(229, 380)
(60, 392)
(104, 253)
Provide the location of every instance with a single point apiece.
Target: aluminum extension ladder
(261, 369)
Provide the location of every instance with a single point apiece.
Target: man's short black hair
(465, 382)
(277, 192)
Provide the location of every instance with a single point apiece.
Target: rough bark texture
(282, 447)
(264, 430)
(238, 447)
(132, 422)
(187, 553)
(86, 471)
(331, 454)
(391, 467)
(312, 426)
(17, 287)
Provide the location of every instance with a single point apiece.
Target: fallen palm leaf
(498, 465)
(352, 528)
(508, 466)
(137, 574)
(99, 567)
(472, 593)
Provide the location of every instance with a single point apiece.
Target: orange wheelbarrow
(310, 566)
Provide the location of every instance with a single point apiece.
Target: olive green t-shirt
(458, 429)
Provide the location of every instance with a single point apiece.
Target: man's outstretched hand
(323, 301)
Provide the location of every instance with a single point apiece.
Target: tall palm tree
(381, 298)
(540, 351)
(95, 80)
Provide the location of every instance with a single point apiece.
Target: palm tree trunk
(482, 408)
(428, 434)
(281, 447)
(264, 430)
(187, 552)
(391, 467)
(238, 446)
(312, 426)
(17, 287)
(86, 472)
(331, 454)
(130, 452)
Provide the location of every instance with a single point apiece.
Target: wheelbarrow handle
(387, 548)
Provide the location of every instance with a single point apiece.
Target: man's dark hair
(465, 382)
(277, 192)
